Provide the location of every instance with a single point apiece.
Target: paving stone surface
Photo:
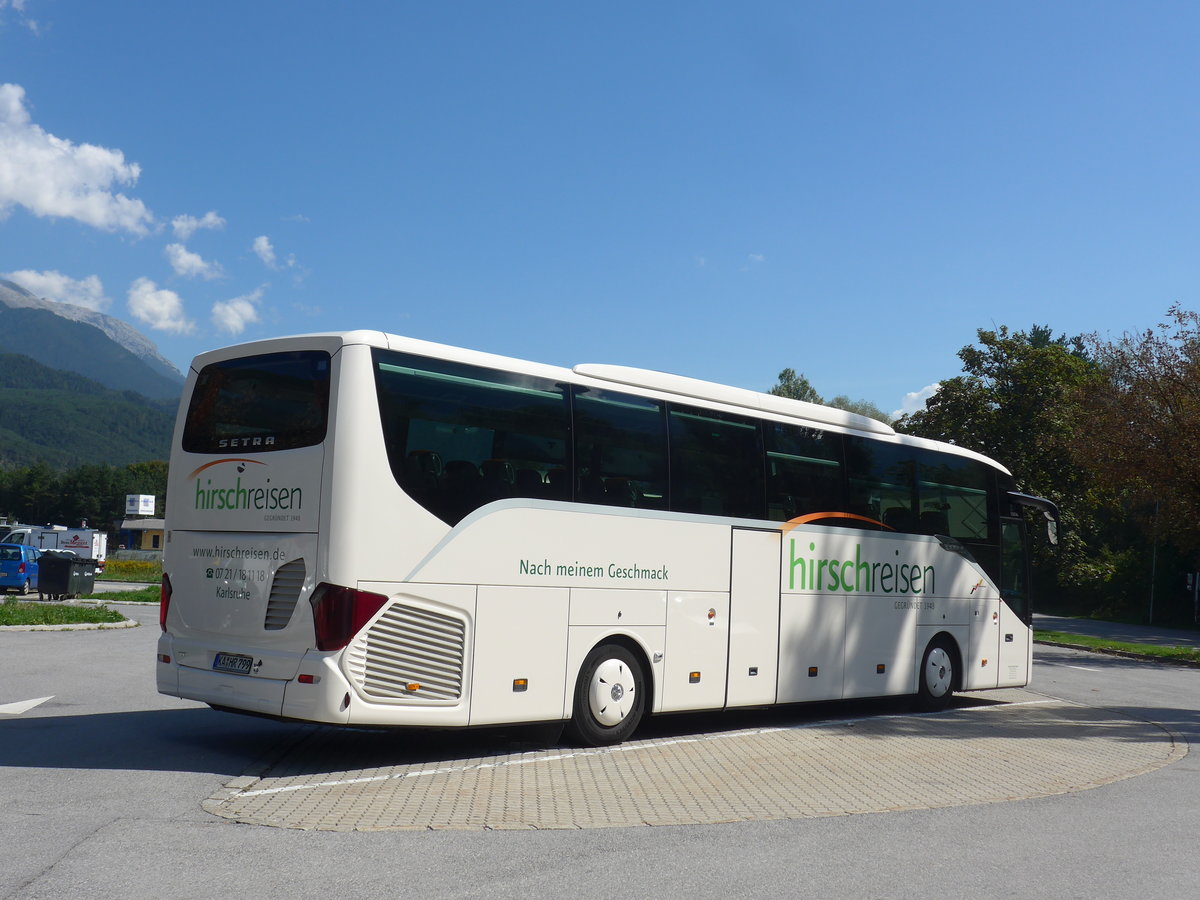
(1026, 746)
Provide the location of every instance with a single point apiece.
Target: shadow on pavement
(205, 741)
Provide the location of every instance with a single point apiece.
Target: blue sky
(719, 190)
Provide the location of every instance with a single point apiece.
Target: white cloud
(757, 258)
(52, 285)
(19, 7)
(186, 226)
(232, 316)
(159, 308)
(264, 251)
(52, 177)
(189, 264)
(914, 401)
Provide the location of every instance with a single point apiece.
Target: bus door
(754, 617)
(1016, 610)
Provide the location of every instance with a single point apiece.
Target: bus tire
(935, 680)
(610, 696)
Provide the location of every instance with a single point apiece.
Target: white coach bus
(366, 529)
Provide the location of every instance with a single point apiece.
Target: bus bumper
(254, 695)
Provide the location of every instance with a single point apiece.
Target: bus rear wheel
(935, 682)
(610, 696)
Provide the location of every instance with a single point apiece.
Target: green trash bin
(63, 575)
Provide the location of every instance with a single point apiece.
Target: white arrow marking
(22, 706)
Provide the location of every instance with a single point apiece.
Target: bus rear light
(339, 613)
(163, 658)
(412, 687)
(309, 679)
(164, 601)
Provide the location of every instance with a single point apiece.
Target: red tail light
(164, 602)
(339, 613)
(21, 569)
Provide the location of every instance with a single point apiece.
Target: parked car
(19, 568)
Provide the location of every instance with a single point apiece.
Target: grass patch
(46, 614)
(151, 594)
(1153, 651)
(132, 570)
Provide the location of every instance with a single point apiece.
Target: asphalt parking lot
(825, 760)
(110, 787)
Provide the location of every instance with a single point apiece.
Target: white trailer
(89, 543)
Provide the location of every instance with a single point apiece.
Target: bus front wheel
(610, 696)
(935, 683)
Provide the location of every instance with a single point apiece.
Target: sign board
(139, 504)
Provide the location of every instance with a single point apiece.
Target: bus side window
(485, 425)
(716, 464)
(957, 497)
(620, 449)
(804, 471)
(882, 483)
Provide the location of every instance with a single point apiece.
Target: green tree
(796, 387)
(147, 478)
(1016, 402)
(87, 494)
(94, 492)
(860, 407)
(38, 493)
(1140, 429)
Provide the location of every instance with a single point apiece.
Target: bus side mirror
(1052, 530)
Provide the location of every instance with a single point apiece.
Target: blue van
(19, 568)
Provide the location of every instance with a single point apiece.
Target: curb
(1124, 654)
(73, 626)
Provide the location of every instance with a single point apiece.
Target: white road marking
(1048, 662)
(22, 706)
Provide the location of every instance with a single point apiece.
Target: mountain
(90, 343)
(66, 420)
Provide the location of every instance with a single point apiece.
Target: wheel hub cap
(938, 675)
(611, 693)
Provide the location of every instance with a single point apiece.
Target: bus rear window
(277, 401)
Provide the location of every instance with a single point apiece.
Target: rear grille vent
(285, 591)
(408, 646)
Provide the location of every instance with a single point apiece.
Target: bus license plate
(232, 662)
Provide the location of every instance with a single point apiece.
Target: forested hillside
(78, 347)
(66, 420)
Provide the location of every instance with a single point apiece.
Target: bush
(133, 570)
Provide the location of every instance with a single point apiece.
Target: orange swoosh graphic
(816, 517)
(217, 462)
